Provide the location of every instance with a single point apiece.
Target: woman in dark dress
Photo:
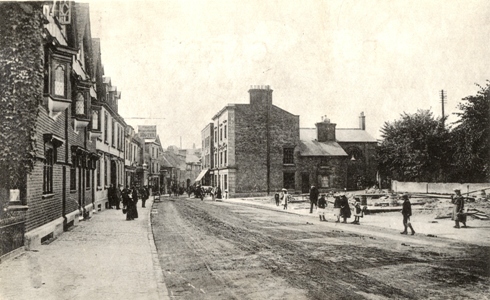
(128, 203)
(345, 212)
(134, 196)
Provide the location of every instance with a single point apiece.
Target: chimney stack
(325, 131)
(362, 121)
(260, 95)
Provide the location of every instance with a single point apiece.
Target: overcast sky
(182, 61)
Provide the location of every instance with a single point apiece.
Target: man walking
(322, 204)
(458, 208)
(313, 197)
(407, 212)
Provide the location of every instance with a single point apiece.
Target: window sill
(47, 196)
(73, 191)
(288, 165)
(99, 188)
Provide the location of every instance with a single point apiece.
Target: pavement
(429, 231)
(104, 257)
(107, 257)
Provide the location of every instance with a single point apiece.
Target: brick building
(61, 188)
(78, 145)
(336, 158)
(133, 158)
(254, 145)
(258, 148)
(207, 157)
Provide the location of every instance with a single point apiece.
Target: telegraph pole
(443, 100)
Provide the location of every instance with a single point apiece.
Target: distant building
(258, 148)
(253, 145)
(207, 157)
(336, 158)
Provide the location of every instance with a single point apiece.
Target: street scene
(225, 149)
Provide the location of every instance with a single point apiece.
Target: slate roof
(315, 148)
(341, 134)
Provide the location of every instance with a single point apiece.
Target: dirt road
(216, 250)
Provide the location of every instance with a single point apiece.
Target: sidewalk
(428, 229)
(105, 257)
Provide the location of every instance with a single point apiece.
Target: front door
(305, 183)
(113, 173)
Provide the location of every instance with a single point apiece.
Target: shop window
(288, 156)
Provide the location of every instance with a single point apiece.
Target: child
(322, 204)
(285, 198)
(358, 213)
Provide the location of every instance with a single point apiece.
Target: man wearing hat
(313, 197)
(407, 212)
(458, 208)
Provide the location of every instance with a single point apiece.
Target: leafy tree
(470, 139)
(414, 148)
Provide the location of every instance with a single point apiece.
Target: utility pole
(443, 100)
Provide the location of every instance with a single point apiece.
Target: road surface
(221, 250)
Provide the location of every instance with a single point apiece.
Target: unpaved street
(219, 250)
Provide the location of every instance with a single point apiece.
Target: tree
(470, 139)
(413, 148)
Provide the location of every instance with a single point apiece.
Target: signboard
(147, 131)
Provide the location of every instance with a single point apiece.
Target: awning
(201, 175)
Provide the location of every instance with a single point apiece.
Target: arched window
(95, 120)
(80, 104)
(59, 80)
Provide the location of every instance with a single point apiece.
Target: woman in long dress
(345, 212)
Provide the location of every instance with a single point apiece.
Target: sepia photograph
(230, 149)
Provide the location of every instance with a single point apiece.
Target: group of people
(341, 207)
(129, 198)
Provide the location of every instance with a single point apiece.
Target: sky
(177, 63)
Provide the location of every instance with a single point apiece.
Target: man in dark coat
(117, 196)
(111, 194)
(407, 212)
(313, 197)
(144, 195)
(458, 208)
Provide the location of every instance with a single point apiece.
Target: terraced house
(68, 137)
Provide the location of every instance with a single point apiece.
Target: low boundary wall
(438, 187)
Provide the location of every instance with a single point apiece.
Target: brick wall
(314, 166)
(250, 131)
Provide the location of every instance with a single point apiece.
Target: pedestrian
(313, 197)
(127, 203)
(458, 208)
(218, 192)
(322, 204)
(345, 212)
(277, 198)
(336, 207)
(111, 193)
(118, 196)
(357, 213)
(285, 198)
(134, 197)
(213, 193)
(407, 212)
(145, 194)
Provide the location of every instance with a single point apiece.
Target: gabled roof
(342, 135)
(353, 135)
(315, 148)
